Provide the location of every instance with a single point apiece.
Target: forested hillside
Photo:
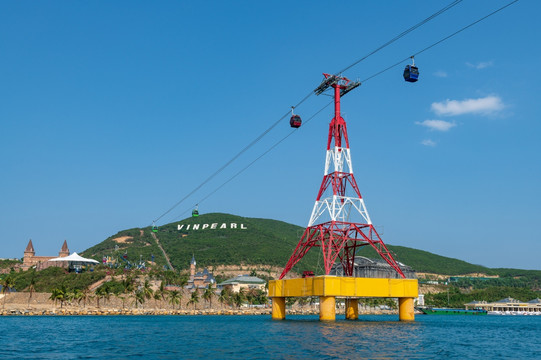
(224, 239)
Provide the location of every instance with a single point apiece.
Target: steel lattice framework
(340, 223)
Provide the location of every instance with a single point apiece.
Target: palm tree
(147, 290)
(182, 281)
(262, 298)
(223, 297)
(194, 299)
(7, 284)
(162, 291)
(168, 277)
(78, 295)
(207, 295)
(85, 295)
(70, 295)
(127, 288)
(106, 292)
(58, 294)
(238, 298)
(244, 294)
(140, 298)
(100, 293)
(174, 298)
(250, 295)
(32, 286)
(157, 297)
(54, 295)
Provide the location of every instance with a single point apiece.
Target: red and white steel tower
(339, 223)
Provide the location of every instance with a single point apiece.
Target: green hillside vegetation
(527, 281)
(269, 242)
(264, 241)
(9, 263)
(136, 246)
(426, 262)
(50, 278)
(423, 261)
(456, 298)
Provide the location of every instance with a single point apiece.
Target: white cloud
(438, 125)
(428, 142)
(484, 106)
(440, 73)
(480, 65)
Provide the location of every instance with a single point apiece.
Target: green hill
(224, 239)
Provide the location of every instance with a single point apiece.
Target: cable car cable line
(315, 91)
(370, 77)
(440, 41)
(256, 159)
(402, 34)
(231, 160)
(298, 104)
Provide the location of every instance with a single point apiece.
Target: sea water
(259, 337)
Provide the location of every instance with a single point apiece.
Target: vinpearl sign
(212, 226)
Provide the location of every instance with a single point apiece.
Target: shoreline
(180, 312)
(20, 304)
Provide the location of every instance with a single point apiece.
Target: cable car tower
(340, 223)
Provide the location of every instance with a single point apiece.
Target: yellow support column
(352, 309)
(278, 308)
(327, 308)
(405, 309)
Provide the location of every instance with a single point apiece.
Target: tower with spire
(42, 262)
(64, 251)
(29, 254)
(201, 279)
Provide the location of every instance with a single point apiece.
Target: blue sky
(111, 112)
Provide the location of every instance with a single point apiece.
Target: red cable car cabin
(295, 121)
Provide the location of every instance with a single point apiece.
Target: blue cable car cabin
(295, 121)
(411, 73)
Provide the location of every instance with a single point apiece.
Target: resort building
(508, 305)
(243, 281)
(42, 262)
(200, 280)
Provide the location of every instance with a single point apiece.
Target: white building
(243, 281)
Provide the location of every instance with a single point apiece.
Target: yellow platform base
(327, 287)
